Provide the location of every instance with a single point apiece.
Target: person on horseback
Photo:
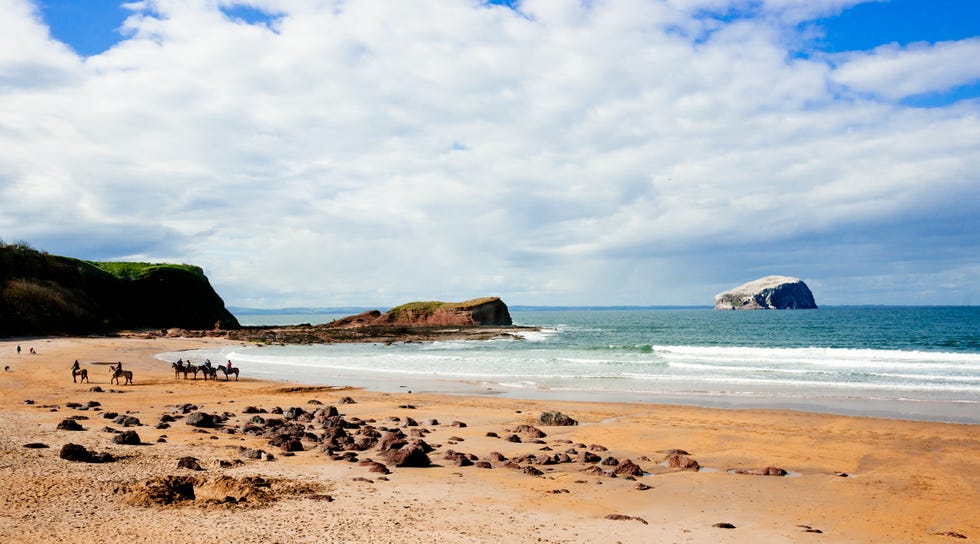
(75, 366)
(229, 364)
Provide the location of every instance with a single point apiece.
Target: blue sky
(613, 152)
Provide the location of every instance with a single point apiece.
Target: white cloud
(363, 152)
(896, 72)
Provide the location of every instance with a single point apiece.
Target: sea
(920, 363)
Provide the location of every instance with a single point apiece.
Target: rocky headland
(477, 319)
(42, 294)
(769, 293)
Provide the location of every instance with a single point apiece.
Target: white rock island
(769, 293)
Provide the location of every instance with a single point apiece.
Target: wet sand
(906, 481)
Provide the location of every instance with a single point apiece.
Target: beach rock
(127, 421)
(190, 463)
(374, 466)
(78, 453)
(69, 425)
(950, 534)
(185, 408)
(497, 457)
(530, 431)
(683, 462)
(347, 400)
(410, 455)
(391, 441)
(201, 419)
(724, 525)
(460, 459)
(36, 445)
(769, 293)
(557, 419)
(623, 517)
(129, 438)
(588, 457)
(768, 471)
(674, 452)
(531, 471)
(628, 468)
(641, 487)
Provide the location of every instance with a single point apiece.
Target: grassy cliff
(49, 294)
(478, 311)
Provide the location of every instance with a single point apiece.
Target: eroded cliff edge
(44, 294)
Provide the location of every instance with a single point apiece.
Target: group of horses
(80, 375)
(207, 370)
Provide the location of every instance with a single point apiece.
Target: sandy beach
(849, 479)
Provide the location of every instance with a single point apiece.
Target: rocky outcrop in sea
(769, 293)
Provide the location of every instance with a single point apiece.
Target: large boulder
(769, 293)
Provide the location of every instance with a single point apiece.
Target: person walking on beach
(18, 349)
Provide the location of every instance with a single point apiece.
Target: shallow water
(918, 363)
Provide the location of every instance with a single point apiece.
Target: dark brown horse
(80, 373)
(208, 371)
(183, 369)
(227, 371)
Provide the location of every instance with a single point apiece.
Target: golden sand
(906, 481)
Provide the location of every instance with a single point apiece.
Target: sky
(317, 153)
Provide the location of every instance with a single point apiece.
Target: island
(768, 293)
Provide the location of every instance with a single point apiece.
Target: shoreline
(907, 481)
(944, 411)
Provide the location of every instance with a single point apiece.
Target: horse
(185, 370)
(80, 373)
(209, 371)
(117, 373)
(227, 371)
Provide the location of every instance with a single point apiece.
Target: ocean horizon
(909, 362)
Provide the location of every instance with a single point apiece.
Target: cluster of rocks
(393, 442)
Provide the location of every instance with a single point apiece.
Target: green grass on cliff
(134, 270)
(430, 307)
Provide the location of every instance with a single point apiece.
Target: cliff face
(490, 311)
(769, 293)
(48, 294)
